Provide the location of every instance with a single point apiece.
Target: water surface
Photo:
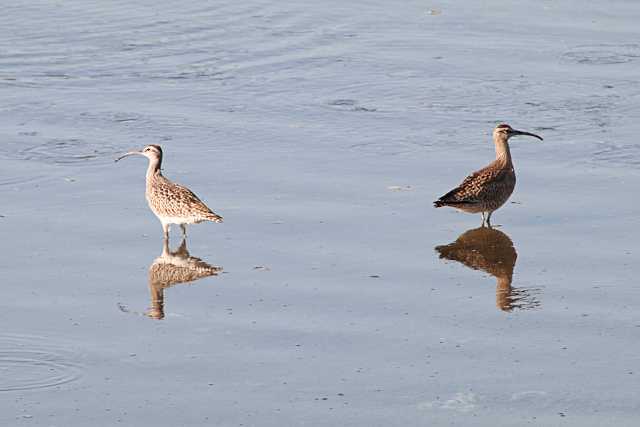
(333, 294)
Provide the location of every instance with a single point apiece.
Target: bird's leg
(483, 219)
(165, 230)
(489, 220)
(184, 231)
(165, 246)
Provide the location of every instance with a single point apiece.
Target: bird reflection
(172, 268)
(491, 251)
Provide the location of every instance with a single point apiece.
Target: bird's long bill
(520, 132)
(130, 153)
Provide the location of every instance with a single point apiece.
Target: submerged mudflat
(333, 294)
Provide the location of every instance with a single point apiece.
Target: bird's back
(170, 200)
(484, 190)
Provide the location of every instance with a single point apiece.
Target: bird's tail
(214, 217)
(455, 204)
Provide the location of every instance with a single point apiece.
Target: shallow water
(321, 132)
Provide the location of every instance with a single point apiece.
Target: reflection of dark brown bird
(491, 251)
(172, 268)
(485, 190)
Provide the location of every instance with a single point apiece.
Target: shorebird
(486, 190)
(170, 202)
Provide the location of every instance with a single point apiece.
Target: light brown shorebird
(487, 189)
(170, 202)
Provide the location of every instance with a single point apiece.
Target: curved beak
(520, 132)
(130, 153)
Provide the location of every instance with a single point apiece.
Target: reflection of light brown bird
(491, 251)
(172, 268)
(484, 191)
(170, 202)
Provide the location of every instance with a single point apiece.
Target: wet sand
(333, 294)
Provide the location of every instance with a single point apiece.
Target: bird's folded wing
(171, 199)
(188, 198)
(476, 186)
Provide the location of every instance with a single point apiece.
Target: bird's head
(504, 131)
(152, 152)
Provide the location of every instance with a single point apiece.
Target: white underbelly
(177, 220)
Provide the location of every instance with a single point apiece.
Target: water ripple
(603, 54)
(31, 363)
(196, 42)
(620, 154)
(67, 151)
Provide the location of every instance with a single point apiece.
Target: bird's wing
(177, 200)
(477, 186)
(188, 198)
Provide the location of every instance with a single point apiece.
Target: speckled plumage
(170, 202)
(484, 190)
(487, 189)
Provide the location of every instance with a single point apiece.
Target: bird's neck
(154, 168)
(503, 154)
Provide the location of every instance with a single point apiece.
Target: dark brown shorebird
(170, 202)
(486, 190)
